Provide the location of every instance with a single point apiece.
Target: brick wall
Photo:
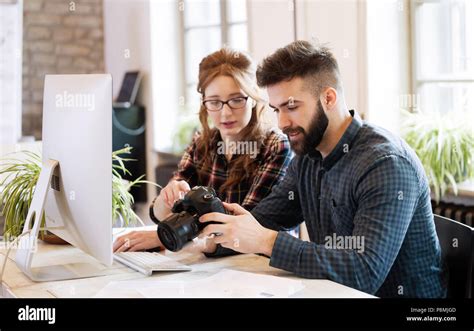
(59, 37)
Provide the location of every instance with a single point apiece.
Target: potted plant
(445, 145)
(19, 182)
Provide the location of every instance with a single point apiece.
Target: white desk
(16, 284)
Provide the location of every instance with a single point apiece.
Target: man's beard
(313, 137)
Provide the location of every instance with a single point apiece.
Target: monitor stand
(27, 245)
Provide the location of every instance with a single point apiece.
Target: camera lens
(168, 238)
(175, 231)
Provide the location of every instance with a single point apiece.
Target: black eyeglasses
(234, 103)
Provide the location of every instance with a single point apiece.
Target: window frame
(417, 79)
(224, 25)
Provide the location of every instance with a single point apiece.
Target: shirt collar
(344, 144)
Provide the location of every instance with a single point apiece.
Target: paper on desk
(224, 284)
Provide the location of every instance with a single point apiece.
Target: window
(11, 33)
(208, 25)
(443, 54)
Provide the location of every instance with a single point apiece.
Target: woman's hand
(137, 241)
(175, 190)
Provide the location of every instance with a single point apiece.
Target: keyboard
(147, 263)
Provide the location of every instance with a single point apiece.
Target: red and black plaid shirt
(273, 158)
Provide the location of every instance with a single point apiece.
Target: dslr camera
(183, 225)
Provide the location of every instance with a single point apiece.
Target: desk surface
(16, 284)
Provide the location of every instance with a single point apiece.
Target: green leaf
(444, 144)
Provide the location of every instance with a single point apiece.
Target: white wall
(166, 55)
(341, 25)
(389, 73)
(270, 26)
(127, 46)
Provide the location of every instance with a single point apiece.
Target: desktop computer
(74, 188)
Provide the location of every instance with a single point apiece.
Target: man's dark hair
(315, 64)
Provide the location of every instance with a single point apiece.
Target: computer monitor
(75, 185)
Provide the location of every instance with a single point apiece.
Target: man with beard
(360, 189)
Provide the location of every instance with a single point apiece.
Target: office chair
(459, 259)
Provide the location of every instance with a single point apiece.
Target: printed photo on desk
(224, 156)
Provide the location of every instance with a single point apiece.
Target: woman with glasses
(235, 153)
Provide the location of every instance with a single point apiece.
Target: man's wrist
(269, 242)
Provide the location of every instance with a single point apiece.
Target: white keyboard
(146, 262)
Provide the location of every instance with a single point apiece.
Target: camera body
(183, 225)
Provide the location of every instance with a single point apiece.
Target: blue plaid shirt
(371, 190)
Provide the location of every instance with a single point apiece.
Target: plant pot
(53, 239)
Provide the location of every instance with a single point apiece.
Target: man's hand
(240, 231)
(137, 241)
(201, 245)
